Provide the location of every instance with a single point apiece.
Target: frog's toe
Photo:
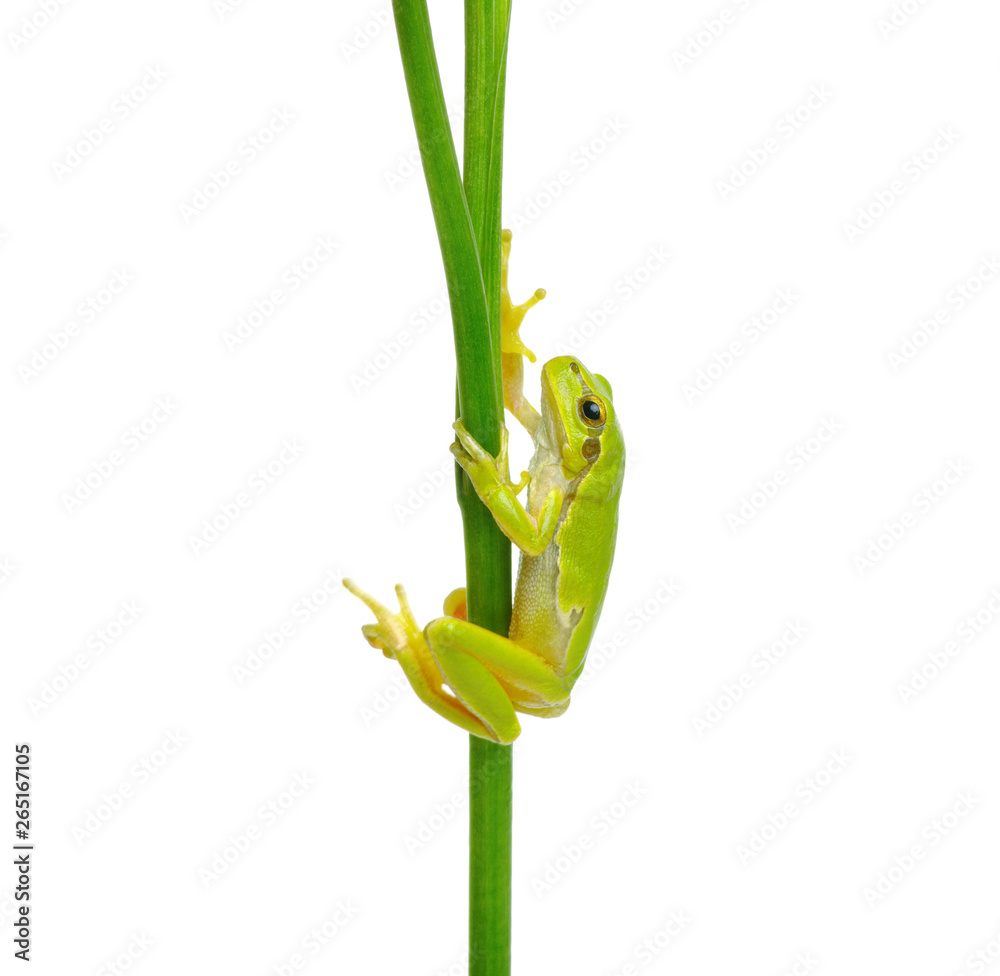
(455, 604)
(389, 634)
(375, 636)
(462, 456)
(466, 446)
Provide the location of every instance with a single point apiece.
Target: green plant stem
(490, 765)
(467, 219)
(478, 393)
(487, 25)
(491, 774)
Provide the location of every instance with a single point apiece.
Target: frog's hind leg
(398, 636)
(465, 653)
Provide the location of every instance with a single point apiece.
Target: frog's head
(578, 415)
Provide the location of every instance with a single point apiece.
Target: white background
(643, 141)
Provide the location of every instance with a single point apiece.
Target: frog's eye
(592, 411)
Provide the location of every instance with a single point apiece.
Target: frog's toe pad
(455, 604)
(375, 636)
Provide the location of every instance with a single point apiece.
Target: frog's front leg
(511, 346)
(531, 535)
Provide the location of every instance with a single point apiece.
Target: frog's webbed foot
(490, 473)
(511, 315)
(477, 703)
(511, 346)
(393, 630)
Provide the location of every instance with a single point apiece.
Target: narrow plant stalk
(491, 774)
(487, 25)
(469, 236)
(490, 765)
(478, 392)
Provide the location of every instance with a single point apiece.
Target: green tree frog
(566, 533)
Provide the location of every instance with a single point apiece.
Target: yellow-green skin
(566, 534)
(560, 592)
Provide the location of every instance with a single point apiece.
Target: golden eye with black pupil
(592, 411)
